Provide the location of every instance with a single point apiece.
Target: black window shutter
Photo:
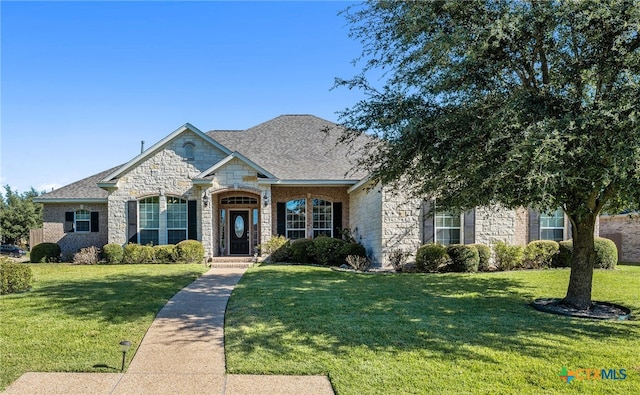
(69, 218)
(132, 215)
(95, 219)
(281, 219)
(192, 220)
(534, 225)
(470, 226)
(337, 220)
(428, 231)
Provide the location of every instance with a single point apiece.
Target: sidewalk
(181, 353)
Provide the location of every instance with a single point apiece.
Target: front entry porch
(238, 218)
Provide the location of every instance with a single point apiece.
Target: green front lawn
(75, 316)
(430, 333)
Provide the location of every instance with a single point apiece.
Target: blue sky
(84, 82)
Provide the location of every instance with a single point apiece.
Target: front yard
(75, 316)
(430, 333)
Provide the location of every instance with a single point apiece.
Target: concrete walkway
(181, 353)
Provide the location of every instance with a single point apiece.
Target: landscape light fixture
(124, 347)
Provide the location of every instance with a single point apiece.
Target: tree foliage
(18, 214)
(518, 103)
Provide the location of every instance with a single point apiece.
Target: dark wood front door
(239, 229)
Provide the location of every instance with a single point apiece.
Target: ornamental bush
(539, 254)
(87, 256)
(301, 251)
(484, 255)
(45, 252)
(14, 277)
(112, 253)
(352, 249)
(464, 258)
(606, 253)
(327, 251)
(164, 253)
(189, 251)
(508, 257)
(277, 248)
(136, 253)
(563, 257)
(430, 257)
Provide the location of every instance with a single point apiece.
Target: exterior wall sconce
(124, 347)
(265, 199)
(205, 199)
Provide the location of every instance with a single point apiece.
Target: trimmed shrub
(301, 251)
(606, 253)
(326, 250)
(430, 257)
(45, 252)
(358, 262)
(164, 253)
(277, 248)
(539, 254)
(87, 256)
(464, 258)
(563, 257)
(14, 277)
(484, 255)
(135, 253)
(508, 257)
(113, 253)
(352, 249)
(398, 259)
(190, 251)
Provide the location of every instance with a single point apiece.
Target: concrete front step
(231, 261)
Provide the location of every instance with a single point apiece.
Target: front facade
(233, 190)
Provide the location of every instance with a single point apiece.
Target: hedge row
(539, 254)
(321, 250)
(186, 251)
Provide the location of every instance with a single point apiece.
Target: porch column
(265, 213)
(207, 223)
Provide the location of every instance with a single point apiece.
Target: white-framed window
(552, 225)
(296, 219)
(176, 220)
(82, 221)
(322, 218)
(149, 220)
(448, 228)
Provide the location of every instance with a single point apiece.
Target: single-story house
(235, 189)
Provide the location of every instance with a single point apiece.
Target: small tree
(18, 215)
(522, 103)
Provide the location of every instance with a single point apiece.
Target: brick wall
(365, 220)
(70, 242)
(626, 230)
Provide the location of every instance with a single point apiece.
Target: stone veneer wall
(401, 224)
(165, 173)
(495, 224)
(284, 194)
(625, 230)
(365, 220)
(71, 242)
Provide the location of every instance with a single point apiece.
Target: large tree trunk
(580, 282)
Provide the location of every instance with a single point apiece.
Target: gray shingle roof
(291, 147)
(294, 147)
(86, 188)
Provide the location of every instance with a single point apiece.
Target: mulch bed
(598, 310)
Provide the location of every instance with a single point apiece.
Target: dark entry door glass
(239, 232)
